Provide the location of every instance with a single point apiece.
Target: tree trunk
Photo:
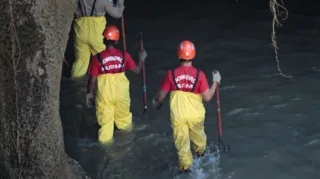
(33, 36)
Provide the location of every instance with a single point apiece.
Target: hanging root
(64, 59)
(276, 8)
(15, 57)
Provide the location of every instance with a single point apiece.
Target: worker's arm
(89, 96)
(162, 93)
(158, 99)
(207, 94)
(138, 68)
(115, 11)
(91, 83)
(93, 71)
(142, 57)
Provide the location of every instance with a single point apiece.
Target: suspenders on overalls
(101, 63)
(195, 82)
(83, 11)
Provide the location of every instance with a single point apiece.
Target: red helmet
(186, 50)
(111, 33)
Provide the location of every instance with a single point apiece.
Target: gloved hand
(216, 77)
(89, 100)
(156, 105)
(143, 55)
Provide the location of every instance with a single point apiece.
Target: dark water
(272, 123)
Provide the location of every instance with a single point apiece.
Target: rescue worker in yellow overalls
(89, 25)
(112, 98)
(189, 87)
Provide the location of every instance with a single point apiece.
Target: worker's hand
(89, 100)
(156, 105)
(216, 77)
(143, 55)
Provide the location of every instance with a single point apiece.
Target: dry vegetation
(277, 9)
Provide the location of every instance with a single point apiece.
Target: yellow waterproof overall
(187, 115)
(113, 105)
(88, 39)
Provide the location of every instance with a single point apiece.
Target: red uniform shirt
(112, 60)
(185, 77)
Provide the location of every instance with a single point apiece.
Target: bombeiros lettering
(185, 77)
(112, 58)
(184, 85)
(111, 67)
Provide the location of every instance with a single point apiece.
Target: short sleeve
(130, 64)
(93, 69)
(203, 86)
(165, 85)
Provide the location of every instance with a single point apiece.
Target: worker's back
(113, 85)
(186, 84)
(187, 79)
(84, 8)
